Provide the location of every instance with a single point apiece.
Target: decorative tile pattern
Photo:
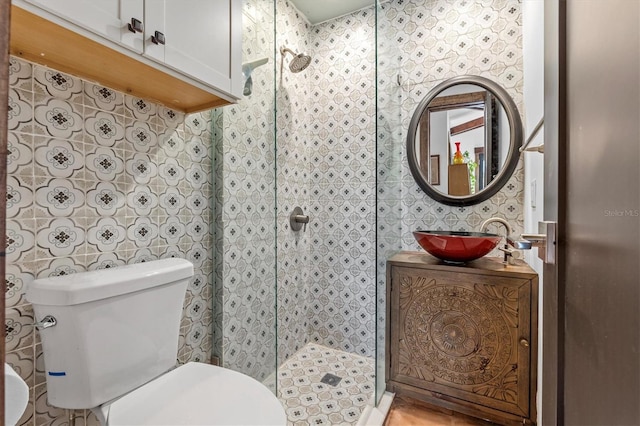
(19, 198)
(141, 136)
(20, 242)
(143, 232)
(172, 142)
(172, 201)
(20, 74)
(61, 237)
(142, 200)
(18, 328)
(20, 109)
(59, 198)
(141, 168)
(105, 261)
(105, 199)
(105, 235)
(20, 154)
(140, 109)
(58, 267)
(308, 399)
(103, 98)
(57, 84)
(59, 119)
(342, 158)
(17, 277)
(75, 204)
(171, 172)
(103, 128)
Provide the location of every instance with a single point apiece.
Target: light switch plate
(533, 194)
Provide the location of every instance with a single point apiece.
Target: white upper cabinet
(199, 37)
(120, 21)
(198, 41)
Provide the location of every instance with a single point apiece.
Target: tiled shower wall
(324, 162)
(97, 179)
(293, 144)
(342, 183)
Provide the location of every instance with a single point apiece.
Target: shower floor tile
(309, 401)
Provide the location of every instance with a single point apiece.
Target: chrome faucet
(508, 241)
(483, 227)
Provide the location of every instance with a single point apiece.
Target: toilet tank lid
(96, 285)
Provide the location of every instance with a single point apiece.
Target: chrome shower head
(299, 62)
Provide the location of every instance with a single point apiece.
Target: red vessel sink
(457, 247)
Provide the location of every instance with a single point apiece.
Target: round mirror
(463, 141)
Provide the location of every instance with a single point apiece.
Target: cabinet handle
(157, 38)
(135, 26)
(524, 343)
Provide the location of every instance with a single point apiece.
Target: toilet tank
(116, 329)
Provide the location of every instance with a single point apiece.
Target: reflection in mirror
(470, 116)
(474, 118)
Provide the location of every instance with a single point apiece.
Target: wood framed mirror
(475, 116)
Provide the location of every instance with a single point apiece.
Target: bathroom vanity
(463, 337)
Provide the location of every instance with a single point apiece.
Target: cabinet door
(202, 39)
(107, 18)
(462, 335)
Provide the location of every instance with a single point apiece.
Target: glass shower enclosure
(303, 310)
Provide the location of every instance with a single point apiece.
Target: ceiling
(318, 11)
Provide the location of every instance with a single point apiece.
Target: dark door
(592, 120)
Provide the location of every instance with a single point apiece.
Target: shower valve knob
(298, 220)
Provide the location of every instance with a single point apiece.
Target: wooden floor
(410, 412)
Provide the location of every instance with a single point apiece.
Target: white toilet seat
(198, 394)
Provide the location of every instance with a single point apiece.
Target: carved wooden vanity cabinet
(463, 337)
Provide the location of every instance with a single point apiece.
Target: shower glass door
(389, 157)
(244, 206)
(296, 308)
(325, 161)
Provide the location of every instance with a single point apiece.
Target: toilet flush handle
(48, 321)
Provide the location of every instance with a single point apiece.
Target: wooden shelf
(44, 42)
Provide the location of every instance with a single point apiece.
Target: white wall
(533, 54)
(533, 46)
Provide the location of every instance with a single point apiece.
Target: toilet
(110, 343)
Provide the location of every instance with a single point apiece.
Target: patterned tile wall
(421, 44)
(96, 179)
(292, 181)
(342, 183)
(244, 182)
(324, 297)
(424, 43)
